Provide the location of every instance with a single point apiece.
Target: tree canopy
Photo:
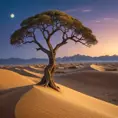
(58, 21)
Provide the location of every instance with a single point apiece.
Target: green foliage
(88, 36)
(18, 36)
(51, 18)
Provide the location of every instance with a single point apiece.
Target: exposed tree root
(46, 83)
(47, 80)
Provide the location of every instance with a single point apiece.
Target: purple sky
(99, 15)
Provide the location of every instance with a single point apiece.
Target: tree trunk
(47, 79)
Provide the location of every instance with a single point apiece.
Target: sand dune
(9, 79)
(36, 67)
(47, 103)
(21, 71)
(37, 74)
(9, 99)
(40, 102)
(103, 67)
(102, 85)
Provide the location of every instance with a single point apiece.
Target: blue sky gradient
(99, 15)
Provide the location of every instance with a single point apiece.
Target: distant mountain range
(79, 57)
(65, 59)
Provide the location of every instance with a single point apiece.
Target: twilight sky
(99, 15)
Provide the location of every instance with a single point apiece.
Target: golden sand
(9, 79)
(43, 102)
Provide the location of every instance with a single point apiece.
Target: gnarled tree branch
(40, 46)
(59, 45)
(76, 39)
(47, 39)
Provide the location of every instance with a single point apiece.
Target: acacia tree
(48, 23)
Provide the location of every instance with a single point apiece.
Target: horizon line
(57, 57)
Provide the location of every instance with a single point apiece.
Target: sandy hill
(9, 79)
(25, 100)
(103, 68)
(102, 85)
(47, 103)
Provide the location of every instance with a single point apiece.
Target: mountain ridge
(76, 57)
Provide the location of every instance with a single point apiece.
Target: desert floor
(86, 91)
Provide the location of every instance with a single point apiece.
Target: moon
(12, 15)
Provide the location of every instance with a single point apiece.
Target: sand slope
(9, 99)
(39, 102)
(97, 67)
(102, 85)
(9, 79)
(103, 67)
(43, 102)
(37, 74)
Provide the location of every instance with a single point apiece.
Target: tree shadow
(9, 98)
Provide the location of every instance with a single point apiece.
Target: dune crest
(103, 67)
(47, 103)
(10, 79)
(97, 67)
(37, 74)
